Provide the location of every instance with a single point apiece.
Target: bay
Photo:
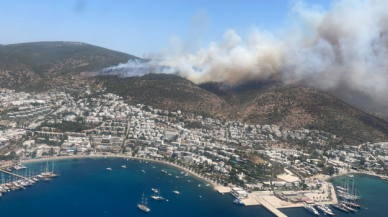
(87, 188)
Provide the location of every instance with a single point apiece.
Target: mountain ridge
(39, 66)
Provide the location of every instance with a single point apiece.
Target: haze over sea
(86, 188)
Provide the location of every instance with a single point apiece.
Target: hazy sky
(138, 27)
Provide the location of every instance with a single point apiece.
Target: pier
(13, 174)
(272, 209)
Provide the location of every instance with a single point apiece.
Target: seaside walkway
(13, 174)
(275, 211)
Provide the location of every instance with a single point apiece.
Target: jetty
(272, 209)
(13, 174)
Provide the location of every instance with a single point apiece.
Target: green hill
(42, 65)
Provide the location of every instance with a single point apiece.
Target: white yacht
(157, 196)
(143, 205)
(109, 168)
(123, 166)
(176, 191)
(311, 209)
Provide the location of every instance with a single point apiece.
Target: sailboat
(143, 205)
(46, 176)
(176, 190)
(53, 174)
(157, 197)
(348, 192)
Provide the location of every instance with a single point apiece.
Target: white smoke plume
(345, 47)
(137, 67)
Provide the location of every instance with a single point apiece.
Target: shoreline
(213, 183)
(356, 172)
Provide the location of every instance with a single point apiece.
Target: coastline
(213, 183)
(327, 177)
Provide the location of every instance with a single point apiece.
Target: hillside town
(84, 121)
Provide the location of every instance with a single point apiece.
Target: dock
(272, 209)
(13, 174)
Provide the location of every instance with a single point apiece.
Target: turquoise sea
(86, 188)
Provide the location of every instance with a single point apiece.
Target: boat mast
(142, 199)
(354, 192)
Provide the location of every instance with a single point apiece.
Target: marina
(21, 181)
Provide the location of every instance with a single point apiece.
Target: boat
(188, 180)
(351, 204)
(46, 179)
(199, 185)
(143, 171)
(157, 197)
(186, 174)
(109, 168)
(162, 171)
(154, 190)
(238, 201)
(104, 156)
(207, 185)
(153, 167)
(350, 176)
(337, 206)
(311, 209)
(324, 209)
(170, 174)
(177, 177)
(19, 167)
(146, 162)
(348, 191)
(347, 207)
(182, 172)
(143, 204)
(47, 173)
(176, 190)
(123, 166)
(53, 174)
(166, 199)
